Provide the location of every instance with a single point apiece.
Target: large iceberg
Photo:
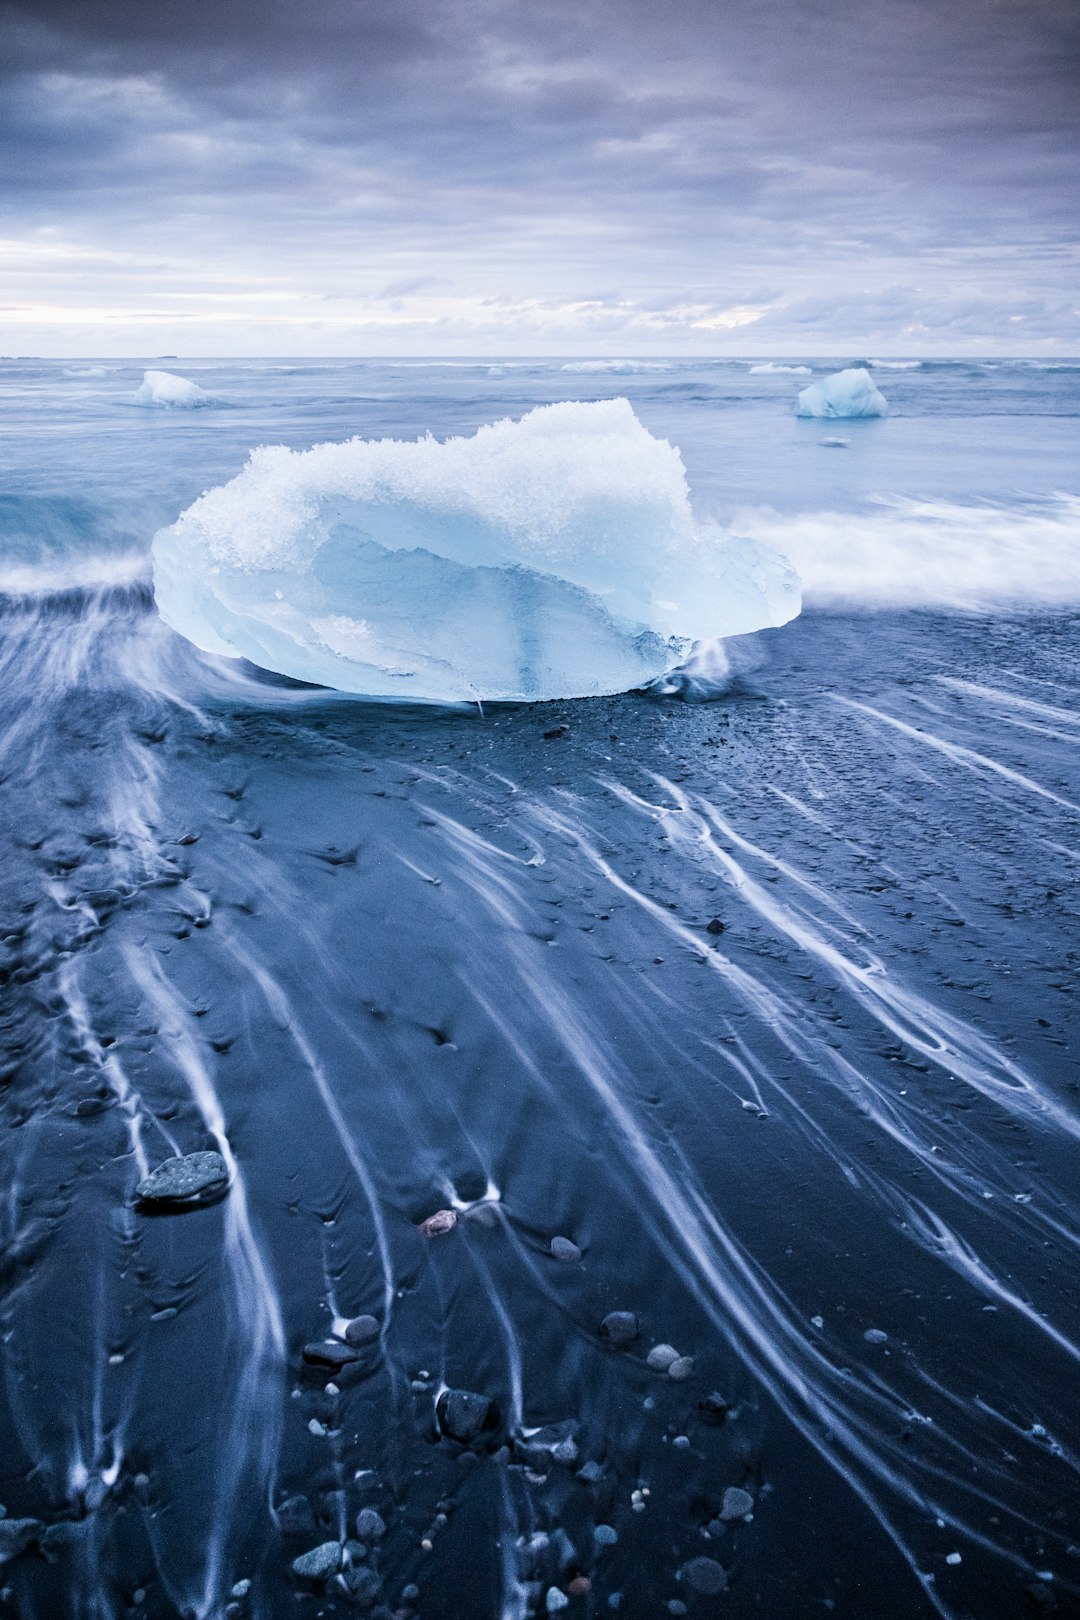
(555, 556)
(845, 393)
(164, 390)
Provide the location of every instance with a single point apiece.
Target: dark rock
(369, 1525)
(56, 1538)
(563, 1249)
(443, 1220)
(15, 1536)
(466, 1416)
(329, 1353)
(320, 1563)
(556, 731)
(195, 1178)
(362, 1330)
(362, 1585)
(296, 1516)
(713, 1409)
(704, 1575)
(714, 926)
(619, 1327)
(737, 1503)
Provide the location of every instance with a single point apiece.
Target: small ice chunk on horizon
(850, 393)
(164, 390)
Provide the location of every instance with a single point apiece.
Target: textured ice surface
(166, 391)
(845, 393)
(555, 556)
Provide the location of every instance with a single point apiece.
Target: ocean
(765, 1004)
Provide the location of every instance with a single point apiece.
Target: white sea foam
(895, 365)
(615, 366)
(931, 553)
(770, 367)
(555, 556)
(164, 390)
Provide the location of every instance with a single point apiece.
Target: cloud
(466, 171)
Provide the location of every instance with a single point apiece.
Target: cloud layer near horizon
(486, 176)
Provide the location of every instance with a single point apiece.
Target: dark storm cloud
(477, 163)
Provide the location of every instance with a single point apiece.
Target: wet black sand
(397, 962)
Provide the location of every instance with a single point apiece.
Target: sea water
(766, 1004)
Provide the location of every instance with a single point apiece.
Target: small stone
(410, 1593)
(681, 1369)
(320, 1563)
(875, 1336)
(579, 1586)
(361, 1330)
(370, 1525)
(363, 1585)
(953, 1558)
(329, 1353)
(296, 1517)
(681, 1442)
(605, 1535)
(555, 1599)
(466, 1416)
(714, 926)
(704, 1575)
(619, 1327)
(661, 1356)
(241, 1589)
(443, 1220)
(194, 1178)
(565, 1452)
(15, 1536)
(556, 731)
(677, 1606)
(591, 1472)
(736, 1504)
(563, 1249)
(316, 1428)
(713, 1409)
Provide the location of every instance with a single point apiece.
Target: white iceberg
(555, 556)
(164, 390)
(845, 393)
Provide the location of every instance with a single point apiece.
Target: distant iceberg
(845, 393)
(165, 391)
(555, 556)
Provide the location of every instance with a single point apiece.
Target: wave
(931, 553)
(617, 367)
(769, 367)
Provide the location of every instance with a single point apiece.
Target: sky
(539, 177)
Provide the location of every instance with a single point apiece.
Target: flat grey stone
(704, 1575)
(681, 1368)
(362, 1330)
(736, 1503)
(370, 1525)
(563, 1249)
(320, 1563)
(184, 1180)
(661, 1356)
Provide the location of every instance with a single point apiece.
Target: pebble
(661, 1356)
(555, 1600)
(320, 1563)
(410, 1593)
(565, 1452)
(605, 1536)
(714, 926)
(591, 1472)
(241, 1589)
(677, 1606)
(563, 1249)
(443, 1220)
(363, 1584)
(875, 1336)
(681, 1369)
(370, 1526)
(579, 1586)
(465, 1416)
(361, 1330)
(619, 1327)
(704, 1575)
(191, 1179)
(713, 1409)
(681, 1442)
(736, 1503)
(953, 1558)
(328, 1353)
(15, 1536)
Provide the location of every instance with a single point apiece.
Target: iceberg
(554, 556)
(166, 391)
(845, 393)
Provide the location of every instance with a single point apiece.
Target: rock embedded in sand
(190, 1179)
(443, 1220)
(661, 1357)
(713, 1409)
(736, 1503)
(329, 1353)
(320, 1563)
(715, 925)
(563, 1249)
(704, 1575)
(681, 1368)
(619, 1327)
(361, 1330)
(370, 1526)
(466, 1416)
